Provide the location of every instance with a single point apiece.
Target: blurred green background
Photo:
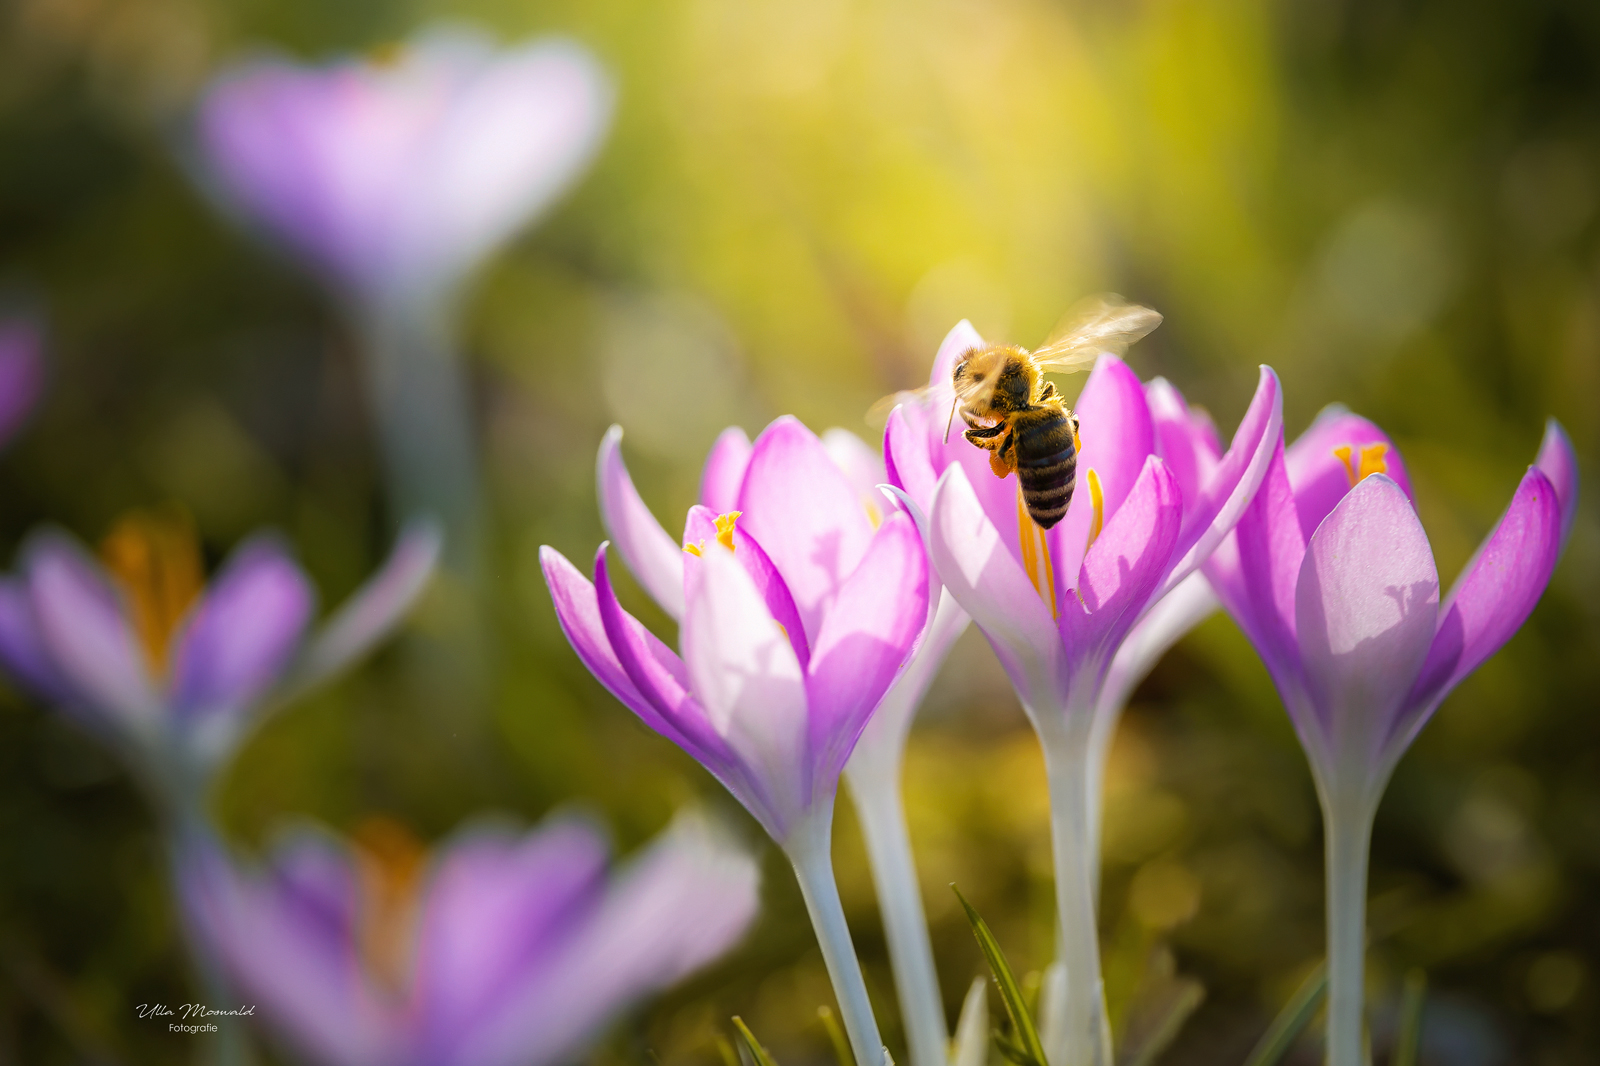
(1393, 202)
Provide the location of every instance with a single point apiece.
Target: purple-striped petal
(1320, 478)
(86, 632)
(724, 470)
(1495, 593)
(243, 632)
(498, 911)
(1365, 608)
(865, 640)
(374, 609)
(655, 560)
(680, 904)
(804, 512)
(1559, 462)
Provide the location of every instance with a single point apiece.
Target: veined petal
(243, 632)
(22, 648)
(747, 678)
(866, 638)
(1320, 477)
(989, 584)
(1124, 566)
(648, 550)
(701, 528)
(374, 609)
(1559, 462)
(1493, 596)
(724, 471)
(1118, 435)
(1234, 482)
(806, 514)
(1366, 607)
(498, 910)
(680, 904)
(84, 628)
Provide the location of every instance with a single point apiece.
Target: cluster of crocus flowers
(1330, 575)
(138, 649)
(500, 949)
(393, 177)
(799, 602)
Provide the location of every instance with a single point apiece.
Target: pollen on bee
(726, 524)
(1370, 461)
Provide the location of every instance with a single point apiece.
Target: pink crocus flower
(1078, 613)
(798, 605)
(175, 674)
(396, 176)
(21, 373)
(499, 950)
(1330, 575)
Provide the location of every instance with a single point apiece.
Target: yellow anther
(1371, 461)
(389, 865)
(1035, 554)
(1098, 498)
(725, 527)
(155, 556)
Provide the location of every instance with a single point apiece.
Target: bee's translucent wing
(1098, 324)
(878, 414)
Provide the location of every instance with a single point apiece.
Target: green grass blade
(752, 1045)
(1409, 1040)
(1027, 1035)
(841, 1046)
(1292, 1019)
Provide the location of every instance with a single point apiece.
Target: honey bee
(1017, 416)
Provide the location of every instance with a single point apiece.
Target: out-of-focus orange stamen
(725, 527)
(1098, 498)
(154, 556)
(389, 865)
(1371, 461)
(1035, 548)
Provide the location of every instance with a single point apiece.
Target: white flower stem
(894, 876)
(1084, 1035)
(1348, 830)
(809, 848)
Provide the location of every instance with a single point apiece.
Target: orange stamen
(1098, 498)
(1035, 550)
(1371, 461)
(154, 556)
(725, 527)
(389, 866)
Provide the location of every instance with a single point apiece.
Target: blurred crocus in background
(1331, 576)
(21, 372)
(394, 177)
(1059, 606)
(171, 672)
(798, 606)
(500, 949)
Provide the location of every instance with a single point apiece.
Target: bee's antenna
(950, 421)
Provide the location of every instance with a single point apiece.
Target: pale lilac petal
(724, 471)
(806, 514)
(701, 529)
(990, 585)
(21, 373)
(650, 552)
(1234, 482)
(747, 678)
(22, 648)
(1365, 608)
(1118, 435)
(498, 911)
(1559, 462)
(682, 903)
(1186, 439)
(906, 458)
(242, 634)
(1495, 593)
(1319, 478)
(1166, 623)
(81, 619)
(862, 466)
(278, 950)
(374, 609)
(865, 640)
(1124, 566)
(1255, 571)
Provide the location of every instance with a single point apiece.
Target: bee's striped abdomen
(1047, 462)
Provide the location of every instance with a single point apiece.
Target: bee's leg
(1003, 460)
(1077, 442)
(984, 436)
